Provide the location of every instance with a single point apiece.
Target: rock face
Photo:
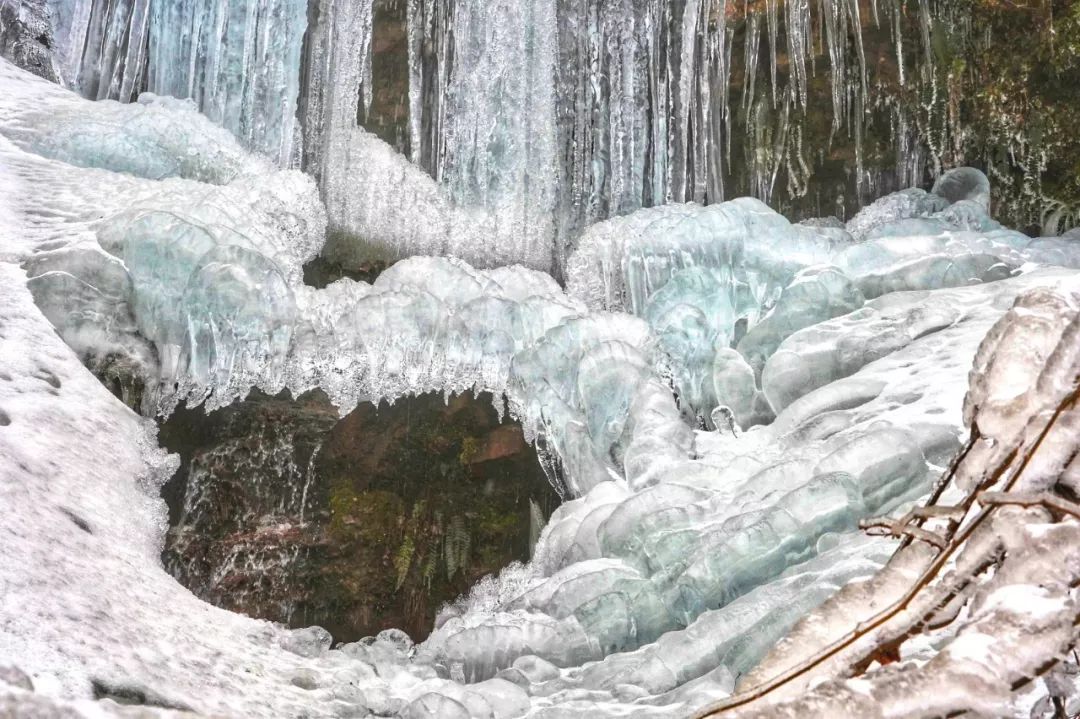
(283, 512)
(26, 36)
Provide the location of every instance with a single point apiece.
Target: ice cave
(450, 359)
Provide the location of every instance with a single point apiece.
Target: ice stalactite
(336, 83)
(238, 61)
(481, 125)
(642, 97)
(498, 122)
(482, 119)
(102, 47)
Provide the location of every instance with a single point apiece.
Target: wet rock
(26, 37)
(282, 511)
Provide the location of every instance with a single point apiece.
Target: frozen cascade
(535, 118)
(336, 82)
(493, 154)
(239, 61)
(498, 122)
(101, 47)
(680, 556)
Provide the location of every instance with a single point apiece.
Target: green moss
(372, 516)
(494, 522)
(470, 447)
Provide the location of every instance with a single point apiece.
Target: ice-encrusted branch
(904, 527)
(1031, 499)
(884, 527)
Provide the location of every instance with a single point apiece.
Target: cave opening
(283, 511)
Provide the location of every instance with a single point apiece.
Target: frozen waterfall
(532, 120)
(807, 468)
(719, 395)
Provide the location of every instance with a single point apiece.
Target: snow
(681, 555)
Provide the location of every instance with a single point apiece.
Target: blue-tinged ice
(720, 396)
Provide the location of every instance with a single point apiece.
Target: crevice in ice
(133, 695)
(79, 521)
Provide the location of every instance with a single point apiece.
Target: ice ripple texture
(719, 395)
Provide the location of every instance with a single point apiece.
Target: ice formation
(239, 62)
(534, 119)
(720, 395)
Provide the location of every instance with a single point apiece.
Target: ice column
(239, 60)
(499, 122)
(337, 78)
(101, 47)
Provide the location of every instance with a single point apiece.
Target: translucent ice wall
(534, 118)
(239, 61)
(498, 122)
(101, 47)
(336, 87)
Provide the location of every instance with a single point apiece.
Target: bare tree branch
(885, 527)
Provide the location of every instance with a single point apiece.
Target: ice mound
(155, 138)
(381, 203)
(737, 275)
(620, 568)
(138, 200)
(828, 367)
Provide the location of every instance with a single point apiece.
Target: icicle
(414, 19)
(857, 117)
(798, 34)
(238, 61)
(100, 46)
(750, 57)
(898, 37)
(774, 48)
(924, 29)
(860, 51)
(71, 23)
(338, 56)
(836, 41)
(724, 43)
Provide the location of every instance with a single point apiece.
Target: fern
(428, 573)
(403, 560)
(456, 546)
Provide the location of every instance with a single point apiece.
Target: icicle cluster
(537, 118)
(238, 61)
